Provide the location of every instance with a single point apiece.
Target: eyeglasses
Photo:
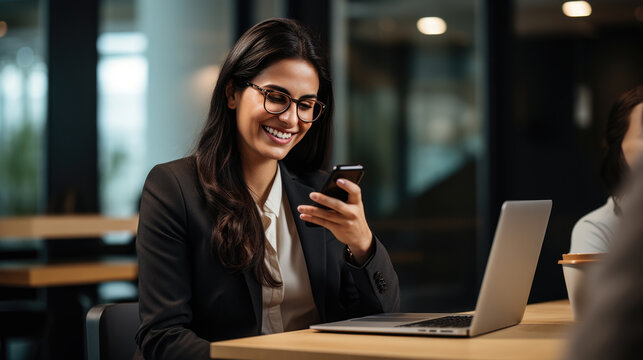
(275, 102)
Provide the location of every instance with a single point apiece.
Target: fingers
(330, 219)
(338, 213)
(317, 220)
(353, 190)
(327, 201)
(354, 196)
(311, 213)
(345, 220)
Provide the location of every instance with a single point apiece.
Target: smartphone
(353, 173)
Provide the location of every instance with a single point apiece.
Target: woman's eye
(306, 105)
(277, 98)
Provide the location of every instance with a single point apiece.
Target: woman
(623, 143)
(223, 248)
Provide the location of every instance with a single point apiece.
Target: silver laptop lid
(511, 265)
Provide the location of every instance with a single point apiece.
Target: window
(23, 103)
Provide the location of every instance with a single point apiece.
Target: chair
(110, 331)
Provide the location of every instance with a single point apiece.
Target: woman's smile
(278, 135)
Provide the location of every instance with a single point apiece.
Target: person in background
(222, 244)
(623, 141)
(612, 324)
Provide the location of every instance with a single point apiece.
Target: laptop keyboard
(451, 321)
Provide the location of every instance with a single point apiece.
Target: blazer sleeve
(165, 272)
(376, 284)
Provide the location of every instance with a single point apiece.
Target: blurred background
(452, 106)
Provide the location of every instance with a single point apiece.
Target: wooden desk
(30, 274)
(65, 226)
(541, 335)
(79, 273)
(69, 284)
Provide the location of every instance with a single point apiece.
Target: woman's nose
(290, 116)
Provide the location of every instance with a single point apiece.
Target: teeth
(277, 133)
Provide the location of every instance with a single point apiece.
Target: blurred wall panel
(408, 109)
(187, 42)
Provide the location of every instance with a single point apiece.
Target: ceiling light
(577, 8)
(432, 26)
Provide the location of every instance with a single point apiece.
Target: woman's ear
(231, 96)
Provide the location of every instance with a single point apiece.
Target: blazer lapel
(313, 239)
(255, 295)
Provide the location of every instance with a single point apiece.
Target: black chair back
(110, 331)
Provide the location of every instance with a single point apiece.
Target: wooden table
(541, 335)
(35, 274)
(65, 226)
(69, 284)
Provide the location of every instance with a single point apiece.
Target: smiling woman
(222, 245)
(268, 127)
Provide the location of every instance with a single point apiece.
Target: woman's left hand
(345, 220)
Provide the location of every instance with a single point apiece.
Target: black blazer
(187, 299)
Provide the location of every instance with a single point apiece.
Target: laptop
(505, 286)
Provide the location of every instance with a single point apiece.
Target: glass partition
(407, 77)
(23, 104)
(122, 89)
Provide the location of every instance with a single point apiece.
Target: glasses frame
(265, 93)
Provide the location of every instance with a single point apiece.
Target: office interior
(496, 100)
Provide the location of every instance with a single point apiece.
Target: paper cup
(575, 268)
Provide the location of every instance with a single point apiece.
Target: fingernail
(341, 181)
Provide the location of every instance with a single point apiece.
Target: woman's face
(632, 144)
(264, 136)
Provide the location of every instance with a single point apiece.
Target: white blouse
(291, 306)
(594, 232)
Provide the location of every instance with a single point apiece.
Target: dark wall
(315, 14)
(544, 154)
(72, 150)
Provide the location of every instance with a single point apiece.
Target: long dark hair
(238, 235)
(615, 168)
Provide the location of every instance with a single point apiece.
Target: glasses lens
(309, 110)
(276, 102)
